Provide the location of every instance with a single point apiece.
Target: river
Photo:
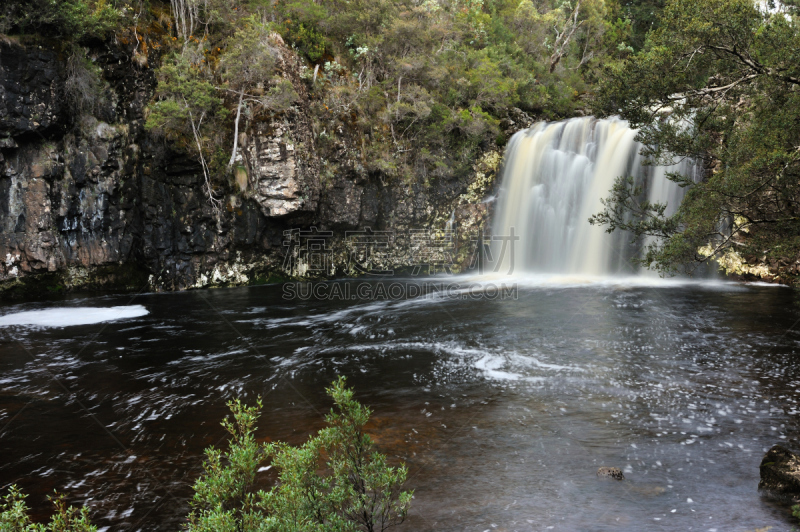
(503, 408)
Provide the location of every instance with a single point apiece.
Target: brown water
(503, 410)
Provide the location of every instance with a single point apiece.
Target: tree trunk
(563, 38)
(236, 130)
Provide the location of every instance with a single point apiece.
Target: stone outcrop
(281, 181)
(613, 473)
(91, 199)
(780, 474)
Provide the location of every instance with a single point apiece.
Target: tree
(554, 32)
(717, 82)
(188, 111)
(336, 481)
(189, 107)
(246, 67)
(224, 498)
(644, 16)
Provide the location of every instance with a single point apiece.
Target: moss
(111, 278)
(126, 277)
(43, 285)
(271, 277)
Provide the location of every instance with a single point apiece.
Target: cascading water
(553, 179)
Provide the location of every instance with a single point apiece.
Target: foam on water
(533, 280)
(68, 316)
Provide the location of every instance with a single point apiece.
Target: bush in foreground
(14, 515)
(335, 482)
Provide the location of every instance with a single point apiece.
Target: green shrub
(72, 19)
(300, 27)
(14, 515)
(336, 481)
(307, 39)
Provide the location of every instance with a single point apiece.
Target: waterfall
(554, 176)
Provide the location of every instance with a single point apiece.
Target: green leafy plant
(336, 481)
(188, 111)
(246, 65)
(70, 19)
(14, 515)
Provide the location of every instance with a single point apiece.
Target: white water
(65, 317)
(554, 177)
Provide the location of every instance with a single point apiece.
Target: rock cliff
(90, 199)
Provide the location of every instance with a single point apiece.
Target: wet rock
(517, 119)
(647, 490)
(780, 474)
(341, 205)
(613, 473)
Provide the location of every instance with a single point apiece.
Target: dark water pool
(502, 409)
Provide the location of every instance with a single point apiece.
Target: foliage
(248, 62)
(336, 481)
(415, 90)
(224, 497)
(716, 82)
(71, 19)
(300, 23)
(84, 87)
(208, 75)
(425, 85)
(188, 111)
(14, 515)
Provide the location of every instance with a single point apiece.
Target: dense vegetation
(335, 482)
(413, 91)
(417, 87)
(717, 82)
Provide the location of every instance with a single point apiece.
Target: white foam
(546, 281)
(491, 367)
(494, 364)
(68, 316)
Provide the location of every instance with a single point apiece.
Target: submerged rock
(780, 474)
(647, 490)
(610, 472)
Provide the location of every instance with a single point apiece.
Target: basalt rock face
(30, 89)
(66, 179)
(88, 198)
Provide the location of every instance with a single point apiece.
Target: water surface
(502, 409)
